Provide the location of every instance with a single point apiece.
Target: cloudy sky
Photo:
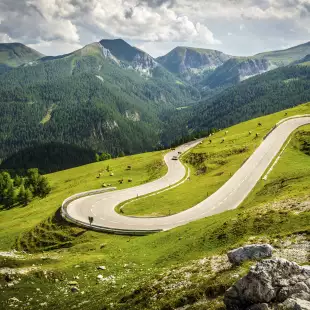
(237, 27)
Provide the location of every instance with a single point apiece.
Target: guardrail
(67, 217)
(282, 121)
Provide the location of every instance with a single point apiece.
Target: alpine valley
(112, 97)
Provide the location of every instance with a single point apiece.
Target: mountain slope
(286, 56)
(183, 267)
(267, 93)
(235, 70)
(304, 61)
(137, 59)
(190, 63)
(238, 69)
(16, 54)
(89, 98)
(48, 158)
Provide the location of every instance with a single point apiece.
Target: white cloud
(147, 23)
(48, 20)
(4, 38)
(60, 25)
(58, 47)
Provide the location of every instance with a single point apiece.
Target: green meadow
(139, 270)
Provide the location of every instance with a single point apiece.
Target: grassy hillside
(16, 54)
(286, 56)
(211, 165)
(162, 271)
(145, 167)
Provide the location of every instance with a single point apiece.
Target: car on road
(175, 158)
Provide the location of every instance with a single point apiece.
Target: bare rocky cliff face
(130, 57)
(235, 70)
(195, 61)
(252, 67)
(144, 64)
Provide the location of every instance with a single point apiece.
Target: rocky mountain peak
(130, 56)
(185, 59)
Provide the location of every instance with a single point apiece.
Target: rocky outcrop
(200, 59)
(129, 56)
(144, 63)
(133, 116)
(249, 252)
(251, 67)
(271, 284)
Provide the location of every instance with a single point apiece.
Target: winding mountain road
(229, 196)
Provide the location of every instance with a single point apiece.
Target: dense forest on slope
(78, 115)
(92, 99)
(87, 99)
(49, 157)
(261, 95)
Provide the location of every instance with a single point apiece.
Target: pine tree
(43, 188)
(24, 196)
(27, 197)
(10, 197)
(32, 180)
(18, 181)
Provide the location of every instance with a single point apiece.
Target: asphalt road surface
(229, 196)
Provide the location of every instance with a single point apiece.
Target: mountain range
(112, 97)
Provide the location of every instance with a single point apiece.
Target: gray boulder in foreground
(249, 252)
(271, 284)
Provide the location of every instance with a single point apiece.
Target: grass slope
(287, 56)
(211, 164)
(136, 266)
(145, 167)
(16, 54)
